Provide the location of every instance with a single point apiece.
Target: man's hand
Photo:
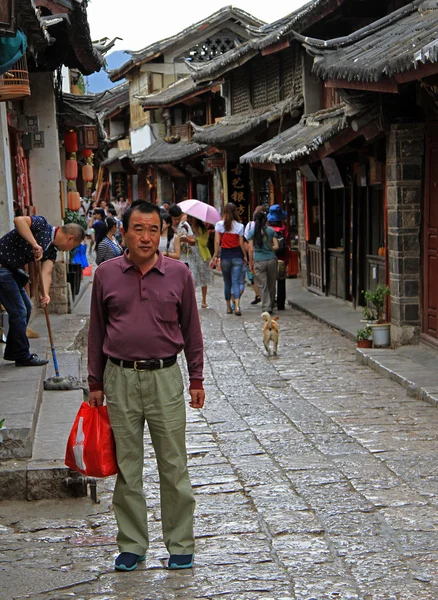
(96, 398)
(37, 252)
(44, 300)
(197, 398)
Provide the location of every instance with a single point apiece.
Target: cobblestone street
(316, 478)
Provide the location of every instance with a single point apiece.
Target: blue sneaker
(128, 561)
(180, 561)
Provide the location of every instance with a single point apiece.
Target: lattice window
(258, 81)
(273, 80)
(292, 72)
(213, 46)
(240, 92)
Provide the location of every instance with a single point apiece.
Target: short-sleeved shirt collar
(127, 263)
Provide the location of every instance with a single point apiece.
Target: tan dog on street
(270, 332)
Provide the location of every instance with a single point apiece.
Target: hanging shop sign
(119, 184)
(87, 137)
(214, 163)
(239, 191)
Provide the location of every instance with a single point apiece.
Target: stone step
(20, 400)
(45, 475)
(21, 396)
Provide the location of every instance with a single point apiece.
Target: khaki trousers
(265, 276)
(157, 397)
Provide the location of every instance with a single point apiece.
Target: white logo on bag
(78, 448)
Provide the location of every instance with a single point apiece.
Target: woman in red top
(230, 244)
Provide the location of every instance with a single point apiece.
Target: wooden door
(430, 290)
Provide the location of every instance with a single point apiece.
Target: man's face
(142, 237)
(66, 242)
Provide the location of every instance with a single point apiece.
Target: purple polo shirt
(136, 317)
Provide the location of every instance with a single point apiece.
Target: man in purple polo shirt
(144, 313)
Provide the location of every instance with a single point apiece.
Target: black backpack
(282, 245)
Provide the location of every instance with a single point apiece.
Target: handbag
(21, 277)
(91, 448)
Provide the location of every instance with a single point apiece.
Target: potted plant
(364, 337)
(381, 328)
(369, 315)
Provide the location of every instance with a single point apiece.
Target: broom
(57, 382)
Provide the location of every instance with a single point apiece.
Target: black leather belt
(145, 365)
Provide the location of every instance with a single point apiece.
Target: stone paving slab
(315, 478)
(413, 367)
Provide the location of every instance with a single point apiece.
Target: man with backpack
(276, 218)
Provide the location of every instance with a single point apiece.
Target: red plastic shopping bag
(91, 449)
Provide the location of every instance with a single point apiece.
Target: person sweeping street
(32, 239)
(143, 314)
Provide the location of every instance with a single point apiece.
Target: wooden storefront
(345, 227)
(430, 238)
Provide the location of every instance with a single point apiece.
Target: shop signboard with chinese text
(120, 184)
(239, 191)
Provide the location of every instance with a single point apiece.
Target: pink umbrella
(200, 210)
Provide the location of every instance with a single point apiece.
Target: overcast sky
(141, 23)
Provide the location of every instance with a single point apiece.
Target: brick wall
(404, 171)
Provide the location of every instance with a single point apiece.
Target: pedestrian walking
(262, 245)
(109, 247)
(201, 257)
(33, 239)
(276, 218)
(248, 228)
(143, 314)
(185, 233)
(169, 240)
(97, 224)
(229, 244)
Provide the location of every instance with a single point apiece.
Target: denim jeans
(18, 306)
(231, 269)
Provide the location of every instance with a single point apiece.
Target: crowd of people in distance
(251, 253)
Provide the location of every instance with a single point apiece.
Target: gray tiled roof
(164, 152)
(220, 16)
(394, 44)
(232, 128)
(176, 92)
(302, 139)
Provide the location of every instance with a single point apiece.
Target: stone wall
(59, 289)
(404, 171)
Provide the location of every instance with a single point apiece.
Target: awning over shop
(231, 129)
(166, 152)
(313, 132)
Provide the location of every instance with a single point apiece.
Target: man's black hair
(141, 206)
(100, 212)
(174, 211)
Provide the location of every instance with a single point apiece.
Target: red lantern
(87, 153)
(87, 173)
(71, 141)
(71, 169)
(73, 200)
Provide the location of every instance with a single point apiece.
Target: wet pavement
(315, 477)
